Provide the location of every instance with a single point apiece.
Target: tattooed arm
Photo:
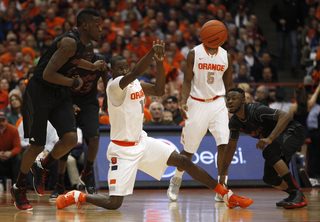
(66, 48)
(283, 119)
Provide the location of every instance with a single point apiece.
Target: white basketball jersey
(208, 71)
(126, 119)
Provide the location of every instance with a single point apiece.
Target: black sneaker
(39, 177)
(20, 198)
(58, 189)
(296, 200)
(281, 202)
(86, 179)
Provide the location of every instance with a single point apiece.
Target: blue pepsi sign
(247, 163)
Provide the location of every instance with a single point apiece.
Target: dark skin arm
(283, 120)
(227, 76)
(158, 88)
(231, 148)
(66, 48)
(143, 64)
(186, 85)
(100, 65)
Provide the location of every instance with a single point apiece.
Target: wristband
(75, 83)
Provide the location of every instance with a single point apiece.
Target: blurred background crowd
(268, 65)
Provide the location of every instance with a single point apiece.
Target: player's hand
(183, 111)
(76, 109)
(80, 81)
(159, 50)
(262, 143)
(99, 65)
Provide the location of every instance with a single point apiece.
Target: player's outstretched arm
(140, 67)
(67, 48)
(227, 76)
(158, 88)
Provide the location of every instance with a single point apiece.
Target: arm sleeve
(265, 113)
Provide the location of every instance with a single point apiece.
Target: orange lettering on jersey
(215, 67)
(137, 95)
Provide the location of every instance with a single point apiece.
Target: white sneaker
(218, 197)
(173, 190)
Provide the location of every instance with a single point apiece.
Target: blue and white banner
(247, 163)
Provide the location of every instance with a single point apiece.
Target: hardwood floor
(153, 206)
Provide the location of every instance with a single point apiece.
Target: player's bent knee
(115, 202)
(70, 139)
(270, 156)
(178, 160)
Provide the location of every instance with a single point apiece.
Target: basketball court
(153, 206)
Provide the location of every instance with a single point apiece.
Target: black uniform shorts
(88, 119)
(42, 103)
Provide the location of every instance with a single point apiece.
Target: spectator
(10, 149)
(172, 105)
(288, 17)
(9, 56)
(156, 110)
(12, 79)
(267, 78)
(240, 61)
(248, 98)
(136, 46)
(4, 98)
(313, 122)
(147, 37)
(301, 108)
(191, 43)
(167, 115)
(4, 85)
(156, 30)
(262, 95)
(243, 75)
(265, 62)
(250, 57)
(15, 108)
(254, 20)
(52, 21)
(22, 84)
(280, 103)
(130, 7)
(19, 64)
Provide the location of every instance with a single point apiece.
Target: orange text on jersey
(209, 66)
(137, 95)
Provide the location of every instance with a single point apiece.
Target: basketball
(213, 33)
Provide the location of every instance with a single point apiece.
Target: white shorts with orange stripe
(149, 155)
(212, 115)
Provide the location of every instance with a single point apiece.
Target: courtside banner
(247, 163)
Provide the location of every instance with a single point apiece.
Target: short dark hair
(239, 90)
(116, 58)
(86, 15)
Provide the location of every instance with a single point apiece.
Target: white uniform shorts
(149, 155)
(202, 116)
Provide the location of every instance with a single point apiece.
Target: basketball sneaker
(20, 198)
(86, 179)
(295, 200)
(72, 197)
(281, 202)
(39, 177)
(218, 197)
(58, 190)
(173, 190)
(232, 200)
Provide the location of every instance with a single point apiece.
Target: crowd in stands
(27, 29)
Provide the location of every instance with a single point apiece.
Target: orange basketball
(213, 33)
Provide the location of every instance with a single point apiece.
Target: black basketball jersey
(88, 92)
(69, 67)
(258, 123)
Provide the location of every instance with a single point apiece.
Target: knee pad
(270, 153)
(65, 157)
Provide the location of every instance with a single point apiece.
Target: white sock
(225, 181)
(178, 173)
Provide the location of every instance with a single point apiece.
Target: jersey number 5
(210, 77)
